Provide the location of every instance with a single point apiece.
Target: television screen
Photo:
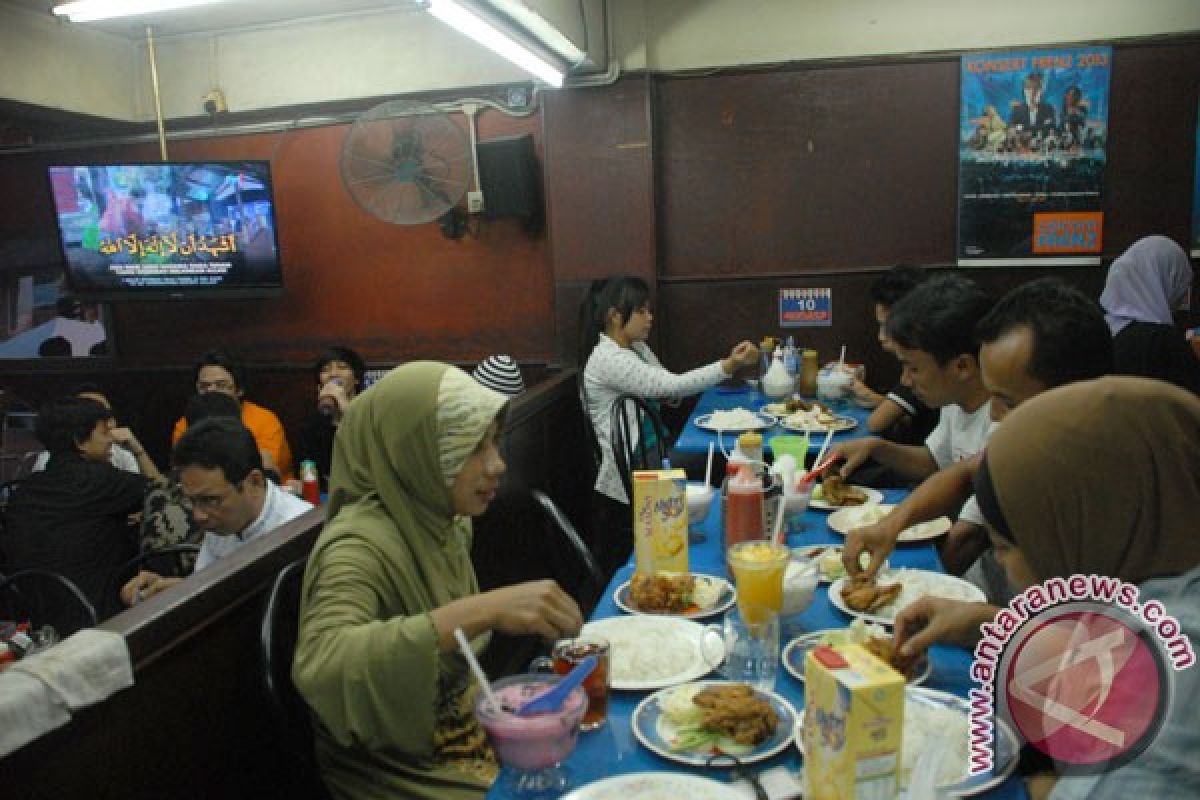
(168, 230)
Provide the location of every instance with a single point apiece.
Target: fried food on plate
(862, 594)
(735, 710)
(837, 492)
(662, 592)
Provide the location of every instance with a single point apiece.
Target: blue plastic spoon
(553, 699)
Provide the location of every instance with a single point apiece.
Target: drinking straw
(465, 646)
(824, 447)
(708, 469)
(777, 538)
(842, 358)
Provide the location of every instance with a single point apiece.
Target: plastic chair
(629, 417)
(277, 643)
(42, 597)
(595, 575)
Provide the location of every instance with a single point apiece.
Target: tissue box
(853, 724)
(660, 521)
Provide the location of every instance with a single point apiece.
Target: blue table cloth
(694, 441)
(614, 750)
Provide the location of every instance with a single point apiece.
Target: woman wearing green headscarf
(389, 580)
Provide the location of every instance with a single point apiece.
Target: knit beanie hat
(500, 373)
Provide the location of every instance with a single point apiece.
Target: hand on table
(932, 620)
(853, 453)
(540, 607)
(864, 395)
(145, 585)
(877, 539)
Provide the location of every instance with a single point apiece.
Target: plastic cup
(758, 569)
(794, 445)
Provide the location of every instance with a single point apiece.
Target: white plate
(1006, 752)
(764, 421)
(845, 520)
(797, 649)
(917, 582)
(637, 636)
(874, 497)
(841, 425)
(654, 786)
(725, 598)
(654, 731)
(812, 551)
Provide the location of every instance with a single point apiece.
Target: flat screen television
(168, 230)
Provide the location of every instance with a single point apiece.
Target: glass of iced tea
(569, 652)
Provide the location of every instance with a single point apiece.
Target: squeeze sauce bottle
(743, 506)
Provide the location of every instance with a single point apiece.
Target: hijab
(1099, 477)
(402, 443)
(1146, 283)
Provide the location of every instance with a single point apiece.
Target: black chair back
(588, 427)
(41, 597)
(175, 561)
(629, 417)
(277, 641)
(594, 574)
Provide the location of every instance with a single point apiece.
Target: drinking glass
(751, 647)
(567, 653)
(758, 569)
(531, 748)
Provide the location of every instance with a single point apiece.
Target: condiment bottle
(743, 506)
(777, 384)
(807, 385)
(311, 486)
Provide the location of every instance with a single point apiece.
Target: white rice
(637, 656)
(916, 583)
(734, 420)
(921, 721)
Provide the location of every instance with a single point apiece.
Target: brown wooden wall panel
(599, 163)
(846, 166)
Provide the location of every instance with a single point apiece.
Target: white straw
(824, 447)
(708, 469)
(478, 670)
(779, 520)
(842, 359)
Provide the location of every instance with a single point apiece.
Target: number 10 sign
(805, 308)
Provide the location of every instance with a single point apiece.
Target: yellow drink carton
(853, 724)
(660, 521)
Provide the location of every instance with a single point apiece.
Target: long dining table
(613, 749)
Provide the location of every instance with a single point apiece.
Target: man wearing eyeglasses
(221, 473)
(218, 371)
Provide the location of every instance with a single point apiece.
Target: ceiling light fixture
(95, 10)
(483, 30)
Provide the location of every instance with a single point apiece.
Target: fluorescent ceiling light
(94, 10)
(487, 34)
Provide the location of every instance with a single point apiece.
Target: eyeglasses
(211, 502)
(218, 386)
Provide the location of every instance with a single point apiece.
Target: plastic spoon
(553, 699)
(465, 646)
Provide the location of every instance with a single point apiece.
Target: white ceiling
(230, 15)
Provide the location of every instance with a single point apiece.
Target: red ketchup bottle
(743, 506)
(311, 487)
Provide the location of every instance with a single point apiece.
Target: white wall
(48, 63)
(72, 67)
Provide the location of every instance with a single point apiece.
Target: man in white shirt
(932, 333)
(1040, 335)
(221, 474)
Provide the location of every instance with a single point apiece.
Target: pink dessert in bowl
(532, 746)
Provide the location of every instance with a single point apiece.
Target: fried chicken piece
(660, 593)
(838, 493)
(738, 712)
(884, 648)
(861, 594)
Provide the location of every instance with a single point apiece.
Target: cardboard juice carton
(660, 521)
(853, 724)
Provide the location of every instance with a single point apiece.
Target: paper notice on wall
(805, 308)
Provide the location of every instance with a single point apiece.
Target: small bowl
(699, 501)
(799, 586)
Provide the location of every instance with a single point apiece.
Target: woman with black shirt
(339, 373)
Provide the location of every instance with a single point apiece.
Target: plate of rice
(845, 520)
(650, 651)
(933, 717)
(734, 420)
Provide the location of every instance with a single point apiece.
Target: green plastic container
(792, 444)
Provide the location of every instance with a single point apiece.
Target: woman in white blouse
(616, 322)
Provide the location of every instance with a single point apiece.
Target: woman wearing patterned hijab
(389, 580)
(1152, 279)
(1097, 478)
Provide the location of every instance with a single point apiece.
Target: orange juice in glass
(758, 569)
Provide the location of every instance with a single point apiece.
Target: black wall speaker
(511, 179)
